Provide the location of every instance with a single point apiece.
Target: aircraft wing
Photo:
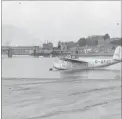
(74, 60)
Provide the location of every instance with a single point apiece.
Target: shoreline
(82, 55)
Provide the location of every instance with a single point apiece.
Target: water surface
(31, 91)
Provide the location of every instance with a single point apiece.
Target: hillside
(15, 36)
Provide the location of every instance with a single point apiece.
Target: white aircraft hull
(59, 66)
(113, 67)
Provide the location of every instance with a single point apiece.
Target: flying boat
(88, 63)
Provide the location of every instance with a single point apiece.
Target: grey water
(31, 67)
(31, 91)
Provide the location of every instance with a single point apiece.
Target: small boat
(41, 56)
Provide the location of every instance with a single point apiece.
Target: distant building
(96, 40)
(48, 46)
(62, 45)
(70, 44)
(76, 50)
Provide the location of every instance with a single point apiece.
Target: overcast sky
(64, 20)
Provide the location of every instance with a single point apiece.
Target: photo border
(44, 0)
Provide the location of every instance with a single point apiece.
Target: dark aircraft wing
(74, 60)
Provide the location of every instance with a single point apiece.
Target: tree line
(93, 40)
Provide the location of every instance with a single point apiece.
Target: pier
(36, 50)
(28, 50)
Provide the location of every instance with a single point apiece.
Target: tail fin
(118, 53)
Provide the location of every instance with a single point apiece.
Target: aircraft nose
(57, 65)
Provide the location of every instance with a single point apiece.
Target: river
(31, 91)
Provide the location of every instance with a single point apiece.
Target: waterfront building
(62, 45)
(48, 46)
